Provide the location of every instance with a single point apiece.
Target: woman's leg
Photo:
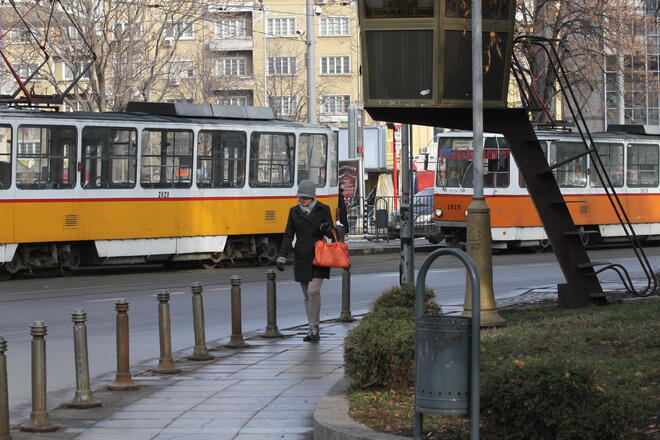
(314, 299)
(304, 286)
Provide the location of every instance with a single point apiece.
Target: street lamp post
(479, 241)
(311, 62)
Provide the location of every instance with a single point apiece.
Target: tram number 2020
(163, 194)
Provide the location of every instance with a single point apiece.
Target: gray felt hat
(307, 188)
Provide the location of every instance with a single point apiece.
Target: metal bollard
(271, 306)
(345, 315)
(83, 398)
(201, 352)
(123, 380)
(4, 395)
(39, 416)
(165, 363)
(236, 340)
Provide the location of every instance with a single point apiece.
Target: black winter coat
(307, 230)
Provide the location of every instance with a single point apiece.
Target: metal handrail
(420, 288)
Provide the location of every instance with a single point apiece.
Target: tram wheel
(267, 257)
(543, 246)
(209, 266)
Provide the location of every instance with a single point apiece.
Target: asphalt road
(53, 299)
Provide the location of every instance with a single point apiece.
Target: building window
(281, 65)
(272, 157)
(179, 30)
(109, 157)
(68, 70)
(221, 159)
(123, 31)
(642, 165)
(284, 105)
(46, 157)
(25, 36)
(282, 27)
(231, 28)
(234, 66)
(178, 70)
(73, 33)
(233, 100)
(334, 26)
(166, 158)
(312, 158)
(24, 70)
(72, 106)
(335, 66)
(335, 104)
(5, 157)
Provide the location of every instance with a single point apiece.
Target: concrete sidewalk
(268, 391)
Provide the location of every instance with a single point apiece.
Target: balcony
(225, 44)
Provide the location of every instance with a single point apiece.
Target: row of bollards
(83, 398)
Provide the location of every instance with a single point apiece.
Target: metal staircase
(540, 179)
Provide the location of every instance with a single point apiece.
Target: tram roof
(631, 132)
(142, 118)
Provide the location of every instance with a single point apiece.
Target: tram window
(5, 157)
(642, 165)
(574, 173)
(312, 158)
(271, 160)
(46, 157)
(612, 157)
(109, 157)
(496, 163)
(166, 158)
(454, 168)
(333, 155)
(399, 8)
(221, 159)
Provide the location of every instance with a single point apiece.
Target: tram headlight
(466, 212)
(438, 212)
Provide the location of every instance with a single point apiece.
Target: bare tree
(588, 30)
(134, 41)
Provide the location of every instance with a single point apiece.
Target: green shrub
(379, 352)
(551, 400)
(400, 296)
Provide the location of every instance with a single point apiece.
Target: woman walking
(308, 221)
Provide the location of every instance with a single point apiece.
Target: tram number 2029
(163, 194)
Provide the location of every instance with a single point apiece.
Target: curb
(332, 422)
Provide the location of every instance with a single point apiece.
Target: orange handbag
(333, 254)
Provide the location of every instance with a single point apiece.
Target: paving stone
(116, 434)
(142, 415)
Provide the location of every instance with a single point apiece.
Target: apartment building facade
(227, 52)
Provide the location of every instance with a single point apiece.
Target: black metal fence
(380, 216)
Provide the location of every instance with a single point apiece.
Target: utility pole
(407, 265)
(311, 63)
(479, 240)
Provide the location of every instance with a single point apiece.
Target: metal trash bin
(446, 354)
(444, 348)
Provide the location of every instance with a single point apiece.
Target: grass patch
(605, 358)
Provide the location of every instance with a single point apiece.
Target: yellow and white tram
(163, 182)
(631, 161)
